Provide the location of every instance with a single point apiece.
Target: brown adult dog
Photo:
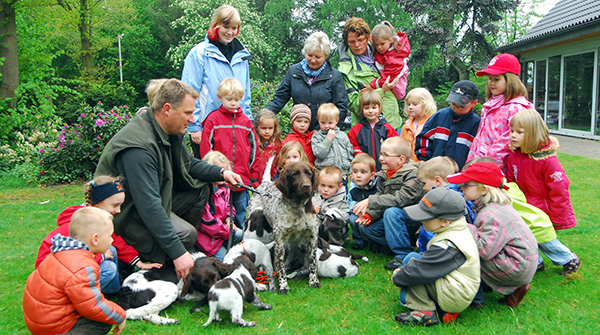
(287, 206)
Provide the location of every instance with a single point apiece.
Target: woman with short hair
(313, 81)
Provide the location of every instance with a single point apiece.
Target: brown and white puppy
(206, 272)
(230, 293)
(286, 205)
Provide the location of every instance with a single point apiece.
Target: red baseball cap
(482, 172)
(501, 64)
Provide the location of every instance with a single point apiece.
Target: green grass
(363, 304)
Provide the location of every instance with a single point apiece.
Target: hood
(546, 151)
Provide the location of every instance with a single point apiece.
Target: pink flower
(41, 172)
(125, 106)
(70, 141)
(97, 149)
(40, 163)
(98, 137)
(99, 122)
(41, 151)
(119, 118)
(82, 115)
(60, 145)
(99, 102)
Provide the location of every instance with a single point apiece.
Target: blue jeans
(109, 274)
(405, 261)
(237, 238)
(399, 231)
(240, 203)
(356, 235)
(557, 252)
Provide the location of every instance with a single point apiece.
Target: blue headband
(100, 192)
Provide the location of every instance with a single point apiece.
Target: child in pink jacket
(392, 49)
(506, 95)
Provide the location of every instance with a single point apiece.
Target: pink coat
(493, 134)
(544, 183)
(214, 231)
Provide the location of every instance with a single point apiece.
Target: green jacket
(400, 190)
(149, 230)
(357, 76)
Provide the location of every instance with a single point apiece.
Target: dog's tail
(267, 175)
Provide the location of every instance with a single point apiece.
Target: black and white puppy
(147, 292)
(230, 293)
(333, 261)
(257, 227)
(259, 254)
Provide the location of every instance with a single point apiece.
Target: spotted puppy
(230, 293)
(286, 205)
(258, 253)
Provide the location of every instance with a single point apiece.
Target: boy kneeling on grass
(446, 276)
(63, 294)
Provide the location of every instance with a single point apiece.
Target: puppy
(206, 272)
(286, 205)
(147, 292)
(258, 253)
(230, 293)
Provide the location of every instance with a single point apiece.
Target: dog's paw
(315, 284)
(284, 290)
(261, 287)
(267, 307)
(272, 289)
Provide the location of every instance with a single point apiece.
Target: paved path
(579, 147)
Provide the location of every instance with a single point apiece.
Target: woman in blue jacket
(313, 81)
(221, 55)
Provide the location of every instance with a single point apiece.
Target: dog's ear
(223, 269)
(322, 244)
(186, 285)
(282, 183)
(325, 256)
(309, 208)
(315, 178)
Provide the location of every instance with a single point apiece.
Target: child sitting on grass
(447, 274)
(507, 248)
(63, 294)
(363, 184)
(331, 206)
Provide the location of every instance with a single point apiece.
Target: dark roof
(564, 16)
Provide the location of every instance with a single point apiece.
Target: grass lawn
(363, 304)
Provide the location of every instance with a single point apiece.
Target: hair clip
(92, 182)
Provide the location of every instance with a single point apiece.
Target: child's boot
(416, 318)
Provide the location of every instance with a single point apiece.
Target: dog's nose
(305, 186)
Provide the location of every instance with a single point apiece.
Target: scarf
(309, 72)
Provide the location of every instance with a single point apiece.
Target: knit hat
(441, 202)
(299, 110)
(501, 64)
(482, 172)
(463, 92)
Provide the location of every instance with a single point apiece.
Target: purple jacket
(214, 231)
(544, 183)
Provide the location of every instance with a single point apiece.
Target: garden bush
(77, 148)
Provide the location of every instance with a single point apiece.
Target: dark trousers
(85, 326)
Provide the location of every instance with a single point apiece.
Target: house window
(577, 99)
(540, 88)
(552, 108)
(528, 79)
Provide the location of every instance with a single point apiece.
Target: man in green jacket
(357, 65)
(166, 188)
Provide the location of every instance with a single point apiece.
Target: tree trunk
(457, 63)
(9, 68)
(85, 32)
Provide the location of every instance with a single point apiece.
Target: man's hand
(388, 85)
(196, 136)
(361, 207)
(183, 265)
(232, 179)
(119, 328)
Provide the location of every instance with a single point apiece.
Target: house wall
(563, 83)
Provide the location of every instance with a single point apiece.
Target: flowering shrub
(77, 149)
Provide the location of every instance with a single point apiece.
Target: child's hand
(366, 88)
(196, 136)
(230, 224)
(317, 209)
(361, 207)
(390, 83)
(119, 328)
(331, 134)
(144, 266)
(108, 254)
(363, 221)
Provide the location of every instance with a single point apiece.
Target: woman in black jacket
(313, 81)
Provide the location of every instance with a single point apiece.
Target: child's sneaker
(571, 267)
(395, 263)
(513, 299)
(418, 318)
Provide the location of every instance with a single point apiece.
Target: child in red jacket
(63, 294)
(533, 165)
(300, 117)
(392, 49)
(269, 141)
(229, 131)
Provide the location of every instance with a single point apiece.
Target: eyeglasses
(457, 106)
(465, 185)
(384, 155)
